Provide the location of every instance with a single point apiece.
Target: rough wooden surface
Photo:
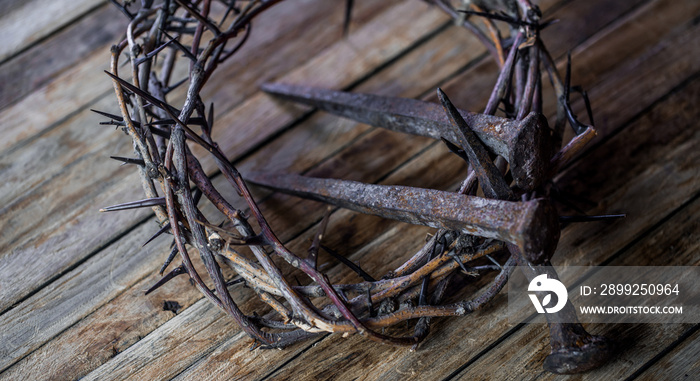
(72, 280)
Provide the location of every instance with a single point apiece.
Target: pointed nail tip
(443, 97)
(103, 210)
(266, 87)
(277, 88)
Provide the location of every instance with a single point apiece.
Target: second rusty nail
(530, 225)
(573, 349)
(524, 144)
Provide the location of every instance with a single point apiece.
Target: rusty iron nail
(530, 225)
(573, 349)
(492, 182)
(525, 144)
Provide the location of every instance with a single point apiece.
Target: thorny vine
(173, 180)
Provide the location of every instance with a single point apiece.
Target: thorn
(159, 132)
(494, 262)
(155, 101)
(171, 256)
(176, 85)
(546, 23)
(461, 265)
(122, 9)
(455, 149)
(177, 43)
(136, 204)
(586, 101)
(500, 17)
(567, 77)
(348, 17)
(198, 196)
(152, 53)
(230, 7)
(370, 306)
(313, 249)
(210, 118)
(194, 120)
(160, 231)
(200, 18)
(235, 281)
(111, 116)
(349, 264)
(128, 160)
(172, 274)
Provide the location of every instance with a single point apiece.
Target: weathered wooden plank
(25, 23)
(42, 63)
(72, 252)
(40, 227)
(76, 88)
(514, 358)
(632, 193)
(681, 363)
(70, 298)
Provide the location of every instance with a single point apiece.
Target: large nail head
(581, 357)
(540, 231)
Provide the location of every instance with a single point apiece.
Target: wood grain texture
(680, 363)
(79, 309)
(24, 23)
(40, 64)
